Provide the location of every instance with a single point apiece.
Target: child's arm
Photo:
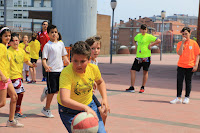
(72, 104)
(196, 64)
(102, 89)
(65, 59)
(30, 64)
(46, 67)
(3, 78)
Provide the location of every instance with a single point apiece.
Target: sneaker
(177, 100)
(44, 79)
(19, 115)
(131, 89)
(34, 82)
(14, 123)
(27, 79)
(44, 94)
(141, 89)
(30, 82)
(186, 100)
(47, 113)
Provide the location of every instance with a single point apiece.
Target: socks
(19, 102)
(142, 87)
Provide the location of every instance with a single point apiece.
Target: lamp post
(163, 17)
(5, 12)
(113, 4)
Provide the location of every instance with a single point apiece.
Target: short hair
(51, 27)
(60, 37)
(81, 48)
(185, 28)
(90, 41)
(44, 22)
(14, 35)
(24, 36)
(143, 27)
(3, 31)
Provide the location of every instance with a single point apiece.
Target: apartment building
(18, 14)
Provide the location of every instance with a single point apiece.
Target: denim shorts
(67, 115)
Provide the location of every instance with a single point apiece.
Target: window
(131, 29)
(1, 2)
(19, 15)
(15, 15)
(138, 30)
(17, 25)
(137, 24)
(1, 14)
(130, 35)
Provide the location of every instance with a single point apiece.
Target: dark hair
(51, 27)
(2, 32)
(14, 35)
(44, 22)
(185, 28)
(90, 41)
(60, 37)
(34, 36)
(143, 27)
(81, 48)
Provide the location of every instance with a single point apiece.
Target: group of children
(74, 84)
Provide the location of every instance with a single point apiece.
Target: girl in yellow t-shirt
(6, 86)
(34, 55)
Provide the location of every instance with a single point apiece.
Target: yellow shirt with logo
(4, 61)
(17, 58)
(80, 85)
(143, 43)
(34, 49)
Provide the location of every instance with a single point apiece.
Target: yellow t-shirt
(34, 49)
(17, 58)
(28, 49)
(143, 43)
(21, 45)
(4, 61)
(81, 85)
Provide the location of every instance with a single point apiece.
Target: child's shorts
(18, 85)
(25, 67)
(53, 82)
(4, 85)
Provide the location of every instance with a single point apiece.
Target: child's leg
(13, 96)
(32, 74)
(103, 115)
(19, 102)
(48, 101)
(3, 93)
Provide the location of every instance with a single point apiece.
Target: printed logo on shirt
(190, 47)
(83, 89)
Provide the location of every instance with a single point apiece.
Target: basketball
(84, 123)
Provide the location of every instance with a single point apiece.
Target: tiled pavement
(130, 112)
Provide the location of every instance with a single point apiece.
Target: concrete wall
(75, 19)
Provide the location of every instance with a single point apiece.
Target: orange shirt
(190, 51)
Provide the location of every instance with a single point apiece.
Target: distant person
(34, 55)
(188, 51)
(25, 46)
(6, 86)
(145, 42)
(17, 58)
(95, 46)
(53, 54)
(43, 38)
(76, 87)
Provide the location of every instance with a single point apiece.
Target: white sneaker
(186, 100)
(14, 123)
(177, 100)
(44, 94)
(47, 113)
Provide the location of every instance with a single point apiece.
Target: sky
(147, 8)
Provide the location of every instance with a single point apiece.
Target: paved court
(130, 112)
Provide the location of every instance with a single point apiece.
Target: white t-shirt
(54, 52)
(94, 62)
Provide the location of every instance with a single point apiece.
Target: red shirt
(43, 38)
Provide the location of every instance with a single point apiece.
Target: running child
(6, 86)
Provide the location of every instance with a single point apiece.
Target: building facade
(18, 14)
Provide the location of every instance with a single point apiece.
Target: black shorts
(33, 60)
(53, 82)
(137, 65)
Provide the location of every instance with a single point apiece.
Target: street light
(163, 17)
(5, 12)
(113, 4)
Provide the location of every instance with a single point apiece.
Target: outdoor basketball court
(130, 112)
